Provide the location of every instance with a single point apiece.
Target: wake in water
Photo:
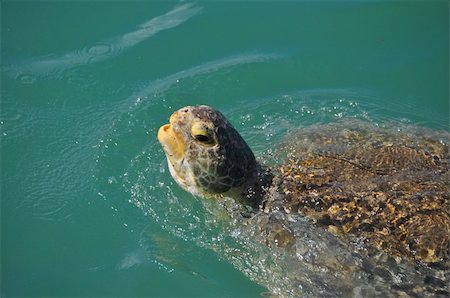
(43, 67)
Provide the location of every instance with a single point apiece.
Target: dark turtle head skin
(206, 155)
(381, 187)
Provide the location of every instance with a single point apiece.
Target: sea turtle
(386, 190)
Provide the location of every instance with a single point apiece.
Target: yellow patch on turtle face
(202, 133)
(173, 142)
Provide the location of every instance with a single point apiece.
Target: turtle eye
(201, 132)
(202, 138)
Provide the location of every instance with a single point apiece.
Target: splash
(219, 226)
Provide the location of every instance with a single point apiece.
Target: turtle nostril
(166, 127)
(186, 110)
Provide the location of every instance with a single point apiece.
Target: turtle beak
(171, 141)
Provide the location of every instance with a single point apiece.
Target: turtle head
(205, 154)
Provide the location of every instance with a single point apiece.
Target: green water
(88, 207)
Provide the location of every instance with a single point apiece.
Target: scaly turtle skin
(389, 189)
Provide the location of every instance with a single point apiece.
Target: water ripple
(49, 66)
(165, 83)
(171, 19)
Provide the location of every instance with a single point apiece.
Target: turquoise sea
(88, 207)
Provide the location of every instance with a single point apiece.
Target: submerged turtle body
(385, 189)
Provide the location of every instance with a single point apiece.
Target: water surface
(88, 207)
